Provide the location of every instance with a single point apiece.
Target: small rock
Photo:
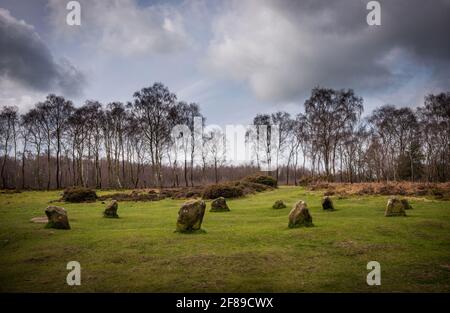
(111, 209)
(327, 203)
(219, 205)
(279, 204)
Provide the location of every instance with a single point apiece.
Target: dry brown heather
(437, 190)
(233, 189)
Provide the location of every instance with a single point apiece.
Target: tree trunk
(48, 167)
(216, 177)
(185, 172)
(58, 183)
(23, 163)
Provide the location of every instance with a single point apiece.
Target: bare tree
(130, 143)
(284, 123)
(8, 125)
(435, 127)
(215, 143)
(152, 107)
(330, 114)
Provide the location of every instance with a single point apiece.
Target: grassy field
(249, 249)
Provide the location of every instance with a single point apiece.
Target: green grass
(250, 249)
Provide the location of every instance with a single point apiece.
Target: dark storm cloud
(419, 25)
(25, 58)
(317, 42)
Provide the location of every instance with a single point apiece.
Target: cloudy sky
(234, 58)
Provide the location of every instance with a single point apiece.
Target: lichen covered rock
(327, 203)
(57, 217)
(395, 207)
(190, 216)
(111, 209)
(279, 204)
(219, 205)
(299, 216)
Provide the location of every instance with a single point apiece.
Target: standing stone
(57, 218)
(279, 204)
(406, 204)
(327, 203)
(190, 216)
(219, 205)
(111, 209)
(299, 215)
(395, 207)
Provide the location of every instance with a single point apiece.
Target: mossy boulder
(279, 204)
(111, 209)
(395, 207)
(299, 216)
(190, 216)
(57, 217)
(79, 194)
(327, 204)
(219, 205)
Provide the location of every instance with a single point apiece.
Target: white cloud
(256, 44)
(123, 27)
(15, 94)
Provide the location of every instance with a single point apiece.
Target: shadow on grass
(191, 232)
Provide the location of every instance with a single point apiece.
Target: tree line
(131, 145)
(335, 143)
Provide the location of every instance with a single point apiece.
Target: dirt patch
(39, 259)
(432, 224)
(39, 220)
(427, 274)
(385, 231)
(118, 259)
(239, 262)
(350, 247)
(425, 235)
(353, 248)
